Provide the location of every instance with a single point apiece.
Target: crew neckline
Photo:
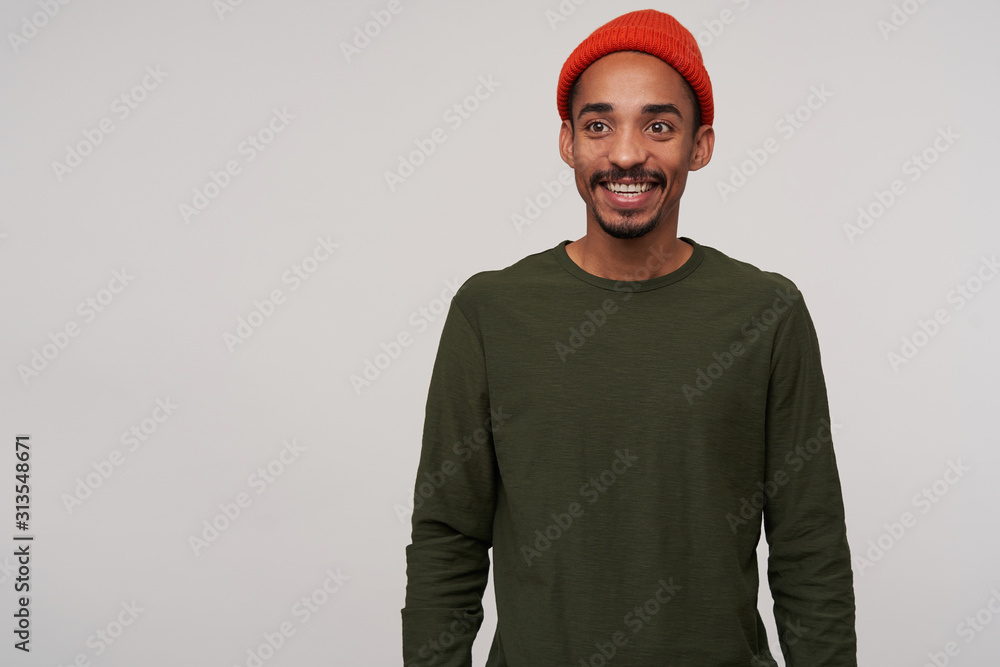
(681, 272)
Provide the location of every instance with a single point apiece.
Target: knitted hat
(651, 32)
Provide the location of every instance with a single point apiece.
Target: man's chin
(627, 229)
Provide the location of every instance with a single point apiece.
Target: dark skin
(634, 126)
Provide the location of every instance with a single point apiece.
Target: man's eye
(659, 128)
(596, 126)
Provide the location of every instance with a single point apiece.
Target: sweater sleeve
(809, 562)
(454, 500)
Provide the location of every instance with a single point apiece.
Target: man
(617, 416)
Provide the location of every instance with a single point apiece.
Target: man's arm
(454, 500)
(809, 563)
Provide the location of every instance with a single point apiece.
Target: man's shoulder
(743, 276)
(528, 272)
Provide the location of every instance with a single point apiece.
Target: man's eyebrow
(595, 107)
(648, 110)
(654, 109)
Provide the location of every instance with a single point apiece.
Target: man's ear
(566, 143)
(704, 144)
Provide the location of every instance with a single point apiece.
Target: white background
(340, 505)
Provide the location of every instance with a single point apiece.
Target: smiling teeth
(628, 188)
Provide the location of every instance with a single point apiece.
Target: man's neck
(629, 259)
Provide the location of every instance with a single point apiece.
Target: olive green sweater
(619, 445)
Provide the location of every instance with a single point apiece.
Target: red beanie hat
(651, 32)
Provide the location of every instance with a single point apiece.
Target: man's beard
(627, 231)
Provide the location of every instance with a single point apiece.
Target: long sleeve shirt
(620, 445)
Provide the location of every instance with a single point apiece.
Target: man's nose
(627, 148)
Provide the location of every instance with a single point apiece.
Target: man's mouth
(628, 188)
(629, 194)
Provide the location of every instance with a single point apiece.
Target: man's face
(634, 142)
